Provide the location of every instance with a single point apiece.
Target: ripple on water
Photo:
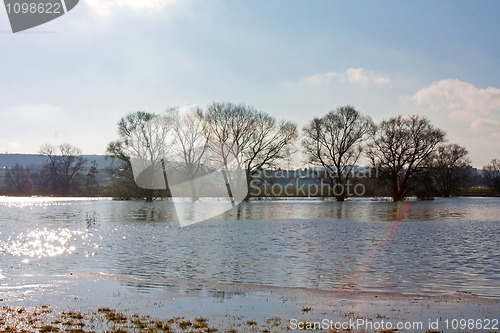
(326, 245)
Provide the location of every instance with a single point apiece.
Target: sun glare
(106, 7)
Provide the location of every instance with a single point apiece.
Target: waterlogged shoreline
(102, 302)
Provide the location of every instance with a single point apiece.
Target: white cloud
(319, 78)
(459, 99)
(105, 7)
(365, 77)
(358, 76)
(470, 115)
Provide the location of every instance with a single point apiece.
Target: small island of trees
(403, 156)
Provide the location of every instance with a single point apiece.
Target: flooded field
(431, 247)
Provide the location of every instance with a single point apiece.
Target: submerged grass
(45, 320)
(103, 320)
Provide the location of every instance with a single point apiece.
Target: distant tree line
(409, 156)
(64, 173)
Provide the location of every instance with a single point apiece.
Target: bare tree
(220, 127)
(449, 168)
(335, 142)
(255, 139)
(19, 180)
(142, 148)
(63, 166)
(492, 174)
(401, 150)
(189, 144)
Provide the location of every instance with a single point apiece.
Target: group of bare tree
(195, 142)
(63, 166)
(409, 154)
(256, 140)
(62, 174)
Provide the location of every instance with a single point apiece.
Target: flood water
(432, 247)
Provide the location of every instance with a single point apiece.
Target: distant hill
(35, 162)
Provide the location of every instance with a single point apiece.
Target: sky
(72, 79)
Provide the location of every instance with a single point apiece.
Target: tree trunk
(194, 195)
(149, 195)
(398, 195)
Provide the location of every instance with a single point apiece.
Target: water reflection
(222, 295)
(438, 246)
(357, 210)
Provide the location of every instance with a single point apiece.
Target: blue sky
(72, 79)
